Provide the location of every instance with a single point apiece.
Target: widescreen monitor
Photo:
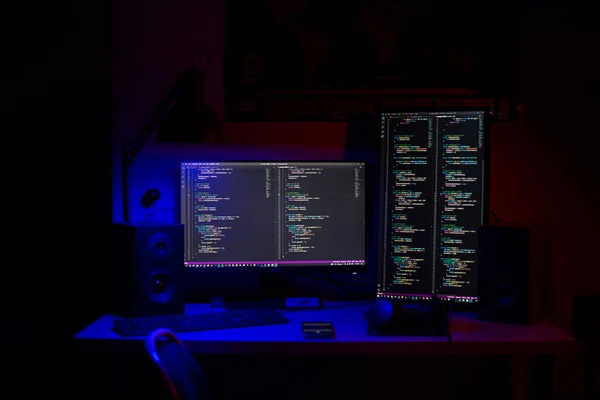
(274, 214)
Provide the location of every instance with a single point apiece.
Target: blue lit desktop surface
(469, 336)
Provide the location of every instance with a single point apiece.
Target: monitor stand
(273, 291)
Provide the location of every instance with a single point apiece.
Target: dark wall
(56, 163)
(56, 176)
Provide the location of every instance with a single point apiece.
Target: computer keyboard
(199, 322)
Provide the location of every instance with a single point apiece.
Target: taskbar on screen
(428, 296)
(273, 264)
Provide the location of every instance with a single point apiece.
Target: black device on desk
(395, 318)
(318, 330)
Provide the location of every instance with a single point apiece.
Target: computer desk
(469, 337)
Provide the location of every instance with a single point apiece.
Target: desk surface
(469, 336)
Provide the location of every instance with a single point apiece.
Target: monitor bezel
(487, 112)
(306, 268)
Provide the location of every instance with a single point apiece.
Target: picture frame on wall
(306, 49)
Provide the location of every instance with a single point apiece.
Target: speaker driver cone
(160, 287)
(160, 246)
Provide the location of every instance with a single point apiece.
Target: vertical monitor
(434, 179)
(274, 214)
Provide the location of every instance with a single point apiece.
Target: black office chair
(181, 372)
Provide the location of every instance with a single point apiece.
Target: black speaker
(586, 317)
(147, 278)
(504, 274)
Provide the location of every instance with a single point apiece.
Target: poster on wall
(354, 52)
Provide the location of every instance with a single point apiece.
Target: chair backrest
(179, 368)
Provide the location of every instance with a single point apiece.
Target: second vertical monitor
(434, 183)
